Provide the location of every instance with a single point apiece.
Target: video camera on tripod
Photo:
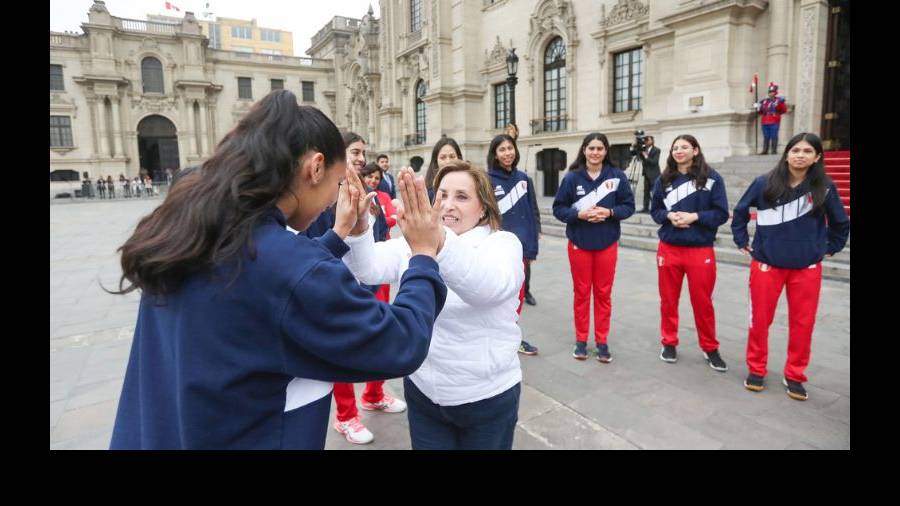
(635, 167)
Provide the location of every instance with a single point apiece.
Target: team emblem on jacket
(609, 185)
(764, 267)
(579, 190)
(499, 190)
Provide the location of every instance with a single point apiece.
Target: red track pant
(699, 264)
(344, 396)
(766, 283)
(522, 290)
(592, 271)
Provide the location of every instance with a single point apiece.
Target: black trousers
(648, 187)
(527, 276)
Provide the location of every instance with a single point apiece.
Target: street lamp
(512, 67)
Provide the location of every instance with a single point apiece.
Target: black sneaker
(668, 354)
(580, 350)
(795, 390)
(603, 353)
(715, 361)
(755, 383)
(529, 299)
(527, 349)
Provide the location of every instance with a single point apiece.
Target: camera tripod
(634, 172)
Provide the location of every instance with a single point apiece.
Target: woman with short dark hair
(466, 394)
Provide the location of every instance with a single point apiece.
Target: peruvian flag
(170, 6)
(754, 83)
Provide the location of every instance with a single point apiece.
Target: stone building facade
(427, 68)
(131, 94)
(664, 66)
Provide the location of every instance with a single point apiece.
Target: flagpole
(756, 127)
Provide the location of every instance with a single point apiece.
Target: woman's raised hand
(345, 214)
(419, 220)
(364, 203)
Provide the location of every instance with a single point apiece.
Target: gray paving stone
(635, 401)
(564, 429)
(88, 419)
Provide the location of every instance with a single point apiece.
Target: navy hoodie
(513, 191)
(212, 366)
(578, 191)
(710, 203)
(789, 234)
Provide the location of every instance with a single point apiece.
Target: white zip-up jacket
(474, 345)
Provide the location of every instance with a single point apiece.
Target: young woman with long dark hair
(514, 192)
(243, 326)
(799, 220)
(690, 203)
(445, 151)
(592, 198)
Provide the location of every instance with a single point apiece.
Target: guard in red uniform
(771, 110)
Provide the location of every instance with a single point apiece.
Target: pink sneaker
(387, 404)
(354, 431)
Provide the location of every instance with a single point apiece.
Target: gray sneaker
(580, 350)
(603, 353)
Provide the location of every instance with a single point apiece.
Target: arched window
(420, 112)
(555, 85)
(152, 75)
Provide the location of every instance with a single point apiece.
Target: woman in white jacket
(466, 393)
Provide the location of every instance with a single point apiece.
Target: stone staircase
(639, 232)
(837, 166)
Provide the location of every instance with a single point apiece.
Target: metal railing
(67, 40)
(337, 23)
(137, 25)
(549, 124)
(83, 192)
(243, 56)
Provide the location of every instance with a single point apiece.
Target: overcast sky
(302, 17)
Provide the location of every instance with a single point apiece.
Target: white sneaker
(387, 404)
(354, 431)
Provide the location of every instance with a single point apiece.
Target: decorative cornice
(623, 11)
(497, 55)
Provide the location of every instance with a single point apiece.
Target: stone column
(779, 15)
(813, 28)
(101, 128)
(204, 132)
(117, 127)
(193, 123)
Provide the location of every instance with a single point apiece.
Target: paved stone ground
(637, 401)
